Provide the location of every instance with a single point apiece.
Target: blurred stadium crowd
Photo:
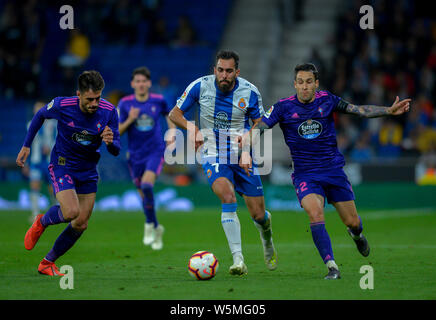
(398, 57)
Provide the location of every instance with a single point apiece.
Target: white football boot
(149, 234)
(269, 252)
(158, 234)
(238, 267)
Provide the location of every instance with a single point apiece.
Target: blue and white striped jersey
(222, 116)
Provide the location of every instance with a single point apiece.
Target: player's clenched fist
(107, 135)
(22, 156)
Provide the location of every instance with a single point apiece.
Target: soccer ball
(203, 265)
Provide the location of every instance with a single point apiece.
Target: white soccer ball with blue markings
(203, 265)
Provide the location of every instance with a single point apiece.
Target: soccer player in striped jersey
(227, 103)
(140, 115)
(84, 122)
(306, 120)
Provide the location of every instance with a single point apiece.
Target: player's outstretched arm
(371, 111)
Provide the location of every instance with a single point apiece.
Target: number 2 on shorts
(303, 186)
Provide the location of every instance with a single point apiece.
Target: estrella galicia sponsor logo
(144, 123)
(84, 138)
(222, 121)
(310, 129)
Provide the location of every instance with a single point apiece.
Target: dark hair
(226, 55)
(90, 80)
(142, 70)
(306, 67)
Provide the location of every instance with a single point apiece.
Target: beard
(225, 85)
(89, 109)
(306, 98)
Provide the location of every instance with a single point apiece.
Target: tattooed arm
(370, 111)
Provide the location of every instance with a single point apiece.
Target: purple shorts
(333, 185)
(151, 163)
(83, 182)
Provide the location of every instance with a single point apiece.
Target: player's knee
(228, 197)
(70, 213)
(315, 214)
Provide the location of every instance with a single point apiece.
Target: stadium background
(178, 39)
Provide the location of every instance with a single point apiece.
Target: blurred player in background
(84, 122)
(306, 120)
(140, 114)
(39, 160)
(227, 102)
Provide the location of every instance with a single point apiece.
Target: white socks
(232, 229)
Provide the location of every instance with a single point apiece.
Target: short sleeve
(338, 103)
(272, 116)
(255, 107)
(51, 109)
(190, 96)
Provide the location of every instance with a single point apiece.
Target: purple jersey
(78, 139)
(145, 134)
(309, 131)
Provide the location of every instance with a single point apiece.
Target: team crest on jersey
(98, 126)
(321, 111)
(242, 104)
(50, 105)
(84, 138)
(310, 129)
(153, 109)
(268, 113)
(221, 121)
(209, 173)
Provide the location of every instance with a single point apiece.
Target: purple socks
(148, 203)
(322, 240)
(52, 216)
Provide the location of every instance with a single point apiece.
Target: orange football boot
(49, 268)
(34, 232)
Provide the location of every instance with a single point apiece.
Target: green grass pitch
(110, 261)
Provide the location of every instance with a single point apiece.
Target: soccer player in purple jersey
(306, 120)
(139, 117)
(84, 122)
